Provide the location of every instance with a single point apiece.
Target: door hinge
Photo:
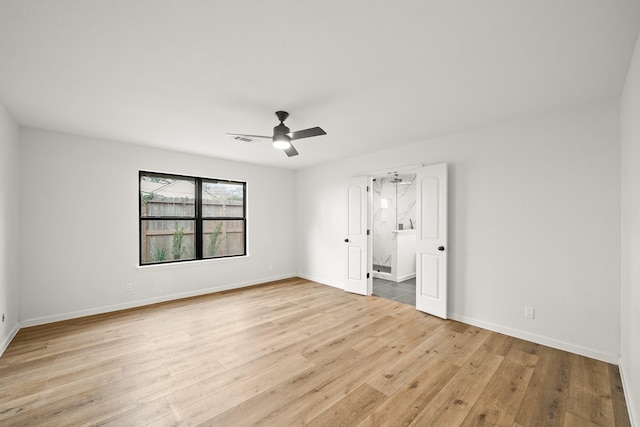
(367, 188)
(368, 232)
(368, 275)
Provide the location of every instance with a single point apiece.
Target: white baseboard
(5, 343)
(389, 276)
(539, 339)
(629, 395)
(321, 281)
(139, 303)
(406, 277)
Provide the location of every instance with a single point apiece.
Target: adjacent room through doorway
(394, 236)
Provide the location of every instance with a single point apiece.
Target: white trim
(139, 303)
(192, 263)
(9, 338)
(628, 395)
(539, 339)
(405, 277)
(321, 281)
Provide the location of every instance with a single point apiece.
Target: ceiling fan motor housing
(281, 129)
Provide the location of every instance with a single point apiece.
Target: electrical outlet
(529, 312)
(128, 287)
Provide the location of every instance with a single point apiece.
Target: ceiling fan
(282, 136)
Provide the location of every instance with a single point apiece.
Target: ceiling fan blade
(291, 151)
(249, 136)
(306, 133)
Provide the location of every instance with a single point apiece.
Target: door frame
(401, 169)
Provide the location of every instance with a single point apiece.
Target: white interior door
(431, 247)
(356, 241)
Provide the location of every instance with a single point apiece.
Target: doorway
(430, 237)
(393, 222)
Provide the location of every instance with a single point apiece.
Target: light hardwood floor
(292, 353)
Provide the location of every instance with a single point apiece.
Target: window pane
(163, 196)
(223, 238)
(167, 240)
(222, 199)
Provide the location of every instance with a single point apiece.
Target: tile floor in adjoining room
(404, 292)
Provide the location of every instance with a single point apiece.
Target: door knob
(346, 240)
(441, 248)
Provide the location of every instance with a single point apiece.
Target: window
(187, 218)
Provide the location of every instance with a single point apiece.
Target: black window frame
(198, 217)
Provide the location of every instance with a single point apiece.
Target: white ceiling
(373, 74)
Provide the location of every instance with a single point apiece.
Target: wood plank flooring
(291, 353)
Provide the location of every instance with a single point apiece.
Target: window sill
(193, 263)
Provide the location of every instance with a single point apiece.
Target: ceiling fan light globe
(281, 142)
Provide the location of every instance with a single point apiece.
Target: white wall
(9, 220)
(534, 210)
(630, 291)
(79, 227)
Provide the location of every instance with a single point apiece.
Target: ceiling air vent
(243, 138)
